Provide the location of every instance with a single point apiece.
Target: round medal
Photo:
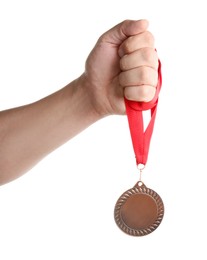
(139, 211)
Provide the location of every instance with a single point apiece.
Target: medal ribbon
(140, 138)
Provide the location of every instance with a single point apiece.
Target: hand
(122, 63)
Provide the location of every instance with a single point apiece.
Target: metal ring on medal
(139, 211)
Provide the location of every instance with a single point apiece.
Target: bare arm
(123, 62)
(30, 132)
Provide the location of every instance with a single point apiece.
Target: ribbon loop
(140, 138)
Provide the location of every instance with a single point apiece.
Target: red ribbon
(140, 138)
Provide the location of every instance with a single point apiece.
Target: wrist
(82, 100)
(86, 94)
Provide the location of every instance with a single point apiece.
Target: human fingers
(138, 76)
(139, 83)
(123, 30)
(142, 57)
(144, 93)
(136, 42)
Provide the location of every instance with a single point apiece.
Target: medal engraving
(139, 211)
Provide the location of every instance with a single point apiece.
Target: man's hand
(123, 63)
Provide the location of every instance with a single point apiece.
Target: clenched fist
(123, 63)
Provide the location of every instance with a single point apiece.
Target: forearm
(29, 133)
(122, 63)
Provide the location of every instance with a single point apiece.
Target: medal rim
(138, 189)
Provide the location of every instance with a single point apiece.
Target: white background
(63, 208)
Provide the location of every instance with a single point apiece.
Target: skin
(123, 63)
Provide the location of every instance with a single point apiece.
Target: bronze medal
(139, 211)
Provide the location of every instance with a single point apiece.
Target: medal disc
(139, 211)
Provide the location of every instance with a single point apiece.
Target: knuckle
(149, 38)
(126, 22)
(148, 76)
(148, 54)
(123, 63)
(151, 57)
(127, 45)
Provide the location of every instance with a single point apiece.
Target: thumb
(123, 30)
